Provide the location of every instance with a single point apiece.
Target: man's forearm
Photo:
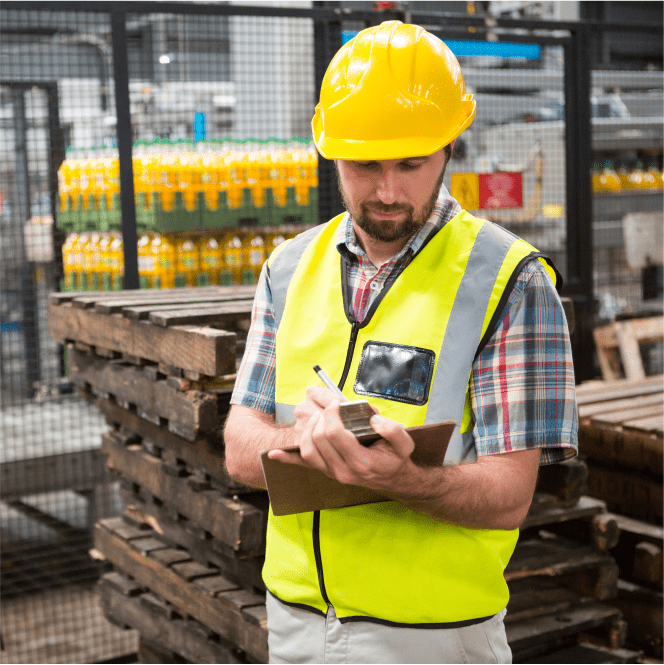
(493, 493)
(248, 432)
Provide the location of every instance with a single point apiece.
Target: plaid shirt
(522, 383)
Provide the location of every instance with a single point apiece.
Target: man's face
(391, 199)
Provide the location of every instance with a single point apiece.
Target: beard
(388, 230)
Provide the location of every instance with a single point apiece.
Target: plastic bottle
(69, 261)
(233, 258)
(146, 263)
(105, 276)
(80, 260)
(163, 256)
(253, 255)
(656, 173)
(606, 179)
(212, 259)
(187, 262)
(92, 261)
(116, 261)
(626, 182)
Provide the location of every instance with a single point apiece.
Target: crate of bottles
(186, 186)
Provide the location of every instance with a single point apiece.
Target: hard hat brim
(395, 148)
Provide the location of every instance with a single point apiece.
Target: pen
(329, 383)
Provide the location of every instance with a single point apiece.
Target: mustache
(387, 208)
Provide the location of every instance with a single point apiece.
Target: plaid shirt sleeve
(522, 383)
(254, 386)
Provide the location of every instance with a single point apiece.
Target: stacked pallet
(621, 427)
(188, 550)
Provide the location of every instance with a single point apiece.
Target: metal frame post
(125, 142)
(578, 155)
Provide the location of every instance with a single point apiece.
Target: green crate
(88, 219)
(68, 218)
(291, 213)
(109, 220)
(147, 211)
(179, 218)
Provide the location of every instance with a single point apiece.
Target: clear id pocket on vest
(392, 371)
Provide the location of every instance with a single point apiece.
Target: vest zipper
(316, 527)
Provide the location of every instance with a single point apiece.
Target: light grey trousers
(300, 636)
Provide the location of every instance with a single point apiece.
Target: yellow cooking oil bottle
(606, 179)
(93, 262)
(253, 257)
(146, 267)
(187, 262)
(69, 261)
(233, 258)
(116, 260)
(212, 259)
(105, 277)
(80, 250)
(655, 174)
(163, 255)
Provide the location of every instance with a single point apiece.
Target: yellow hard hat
(393, 91)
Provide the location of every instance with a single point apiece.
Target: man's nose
(386, 186)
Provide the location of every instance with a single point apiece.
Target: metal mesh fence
(223, 170)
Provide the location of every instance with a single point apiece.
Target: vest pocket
(395, 372)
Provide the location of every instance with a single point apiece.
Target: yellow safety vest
(385, 562)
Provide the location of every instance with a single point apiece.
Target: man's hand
(326, 445)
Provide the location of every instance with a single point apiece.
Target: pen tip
(316, 368)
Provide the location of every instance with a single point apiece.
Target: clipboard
(297, 489)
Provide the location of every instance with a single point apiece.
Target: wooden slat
(136, 296)
(205, 452)
(175, 634)
(595, 409)
(619, 416)
(236, 523)
(586, 508)
(601, 391)
(245, 571)
(140, 312)
(188, 414)
(652, 424)
(223, 613)
(204, 350)
(218, 315)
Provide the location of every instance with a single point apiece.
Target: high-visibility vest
(383, 561)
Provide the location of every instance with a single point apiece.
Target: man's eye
(407, 166)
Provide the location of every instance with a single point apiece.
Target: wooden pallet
(198, 590)
(621, 437)
(174, 327)
(237, 524)
(618, 346)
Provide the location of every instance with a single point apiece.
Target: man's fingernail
(377, 420)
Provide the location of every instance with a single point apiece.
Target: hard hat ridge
(393, 91)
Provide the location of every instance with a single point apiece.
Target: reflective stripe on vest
(384, 561)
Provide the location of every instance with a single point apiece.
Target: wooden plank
(627, 492)
(533, 597)
(629, 350)
(597, 391)
(187, 414)
(585, 508)
(619, 416)
(236, 523)
(568, 480)
(218, 315)
(631, 449)
(205, 452)
(535, 635)
(653, 424)
(574, 566)
(245, 571)
(205, 350)
(87, 299)
(589, 410)
(140, 312)
(222, 613)
(177, 634)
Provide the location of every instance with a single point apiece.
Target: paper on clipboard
(298, 489)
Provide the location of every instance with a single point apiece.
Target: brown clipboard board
(297, 489)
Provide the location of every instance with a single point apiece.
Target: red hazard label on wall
(500, 190)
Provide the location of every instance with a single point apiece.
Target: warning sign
(466, 190)
(482, 191)
(500, 190)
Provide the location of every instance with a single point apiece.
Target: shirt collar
(445, 209)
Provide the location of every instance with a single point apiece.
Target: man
(460, 319)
